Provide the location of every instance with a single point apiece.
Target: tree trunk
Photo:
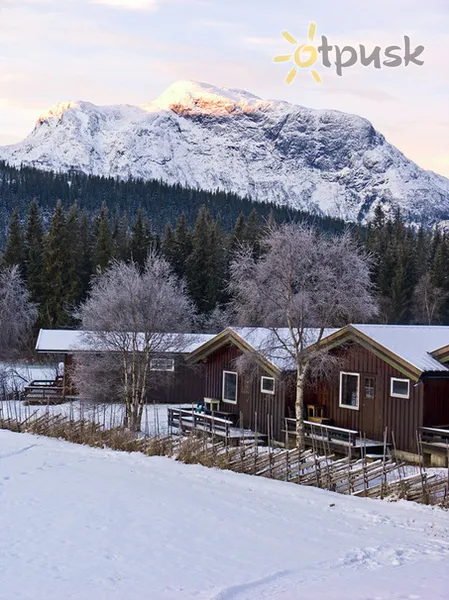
(134, 418)
(135, 423)
(299, 410)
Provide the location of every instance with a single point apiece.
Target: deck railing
(188, 420)
(42, 390)
(329, 433)
(435, 435)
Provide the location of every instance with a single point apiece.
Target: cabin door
(369, 403)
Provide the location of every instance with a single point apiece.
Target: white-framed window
(230, 381)
(162, 364)
(399, 388)
(349, 390)
(267, 385)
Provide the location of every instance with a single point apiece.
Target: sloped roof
(67, 341)
(409, 348)
(412, 345)
(270, 343)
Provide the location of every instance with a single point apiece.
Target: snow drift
(78, 522)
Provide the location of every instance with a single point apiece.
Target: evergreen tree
(57, 282)
(253, 232)
(216, 288)
(86, 263)
(168, 243)
(239, 234)
(182, 246)
(271, 221)
(74, 292)
(379, 218)
(140, 240)
(34, 254)
(103, 246)
(121, 239)
(439, 271)
(204, 265)
(15, 252)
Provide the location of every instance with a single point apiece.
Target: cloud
(144, 5)
(216, 24)
(270, 42)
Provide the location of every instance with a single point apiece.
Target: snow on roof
(412, 343)
(266, 342)
(66, 341)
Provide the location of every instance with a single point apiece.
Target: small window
(162, 364)
(267, 385)
(400, 388)
(230, 387)
(349, 390)
(369, 388)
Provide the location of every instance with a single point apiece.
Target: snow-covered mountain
(201, 136)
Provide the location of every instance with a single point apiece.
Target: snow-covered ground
(86, 524)
(15, 376)
(154, 418)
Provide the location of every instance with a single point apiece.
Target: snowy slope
(78, 523)
(198, 135)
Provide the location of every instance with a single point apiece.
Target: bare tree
(128, 315)
(17, 313)
(305, 283)
(428, 300)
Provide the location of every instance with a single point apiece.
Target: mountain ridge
(200, 136)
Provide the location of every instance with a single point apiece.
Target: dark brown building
(390, 379)
(173, 381)
(255, 400)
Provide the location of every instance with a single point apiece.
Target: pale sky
(129, 51)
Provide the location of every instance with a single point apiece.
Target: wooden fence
(381, 478)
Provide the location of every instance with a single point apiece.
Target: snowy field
(83, 524)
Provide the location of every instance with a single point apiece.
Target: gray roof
(67, 341)
(271, 343)
(412, 343)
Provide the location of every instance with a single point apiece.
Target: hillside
(78, 522)
(161, 202)
(202, 137)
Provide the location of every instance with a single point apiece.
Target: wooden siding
(436, 402)
(264, 412)
(400, 415)
(185, 385)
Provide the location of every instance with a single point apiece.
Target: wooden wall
(185, 385)
(263, 412)
(402, 416)
(436, 402)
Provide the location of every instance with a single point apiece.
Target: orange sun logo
(297, 56)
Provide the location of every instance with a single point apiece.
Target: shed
(177, 382)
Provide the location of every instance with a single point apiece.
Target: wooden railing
(329, 433)
(44, 391)
(435, 436)
(188, 420)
